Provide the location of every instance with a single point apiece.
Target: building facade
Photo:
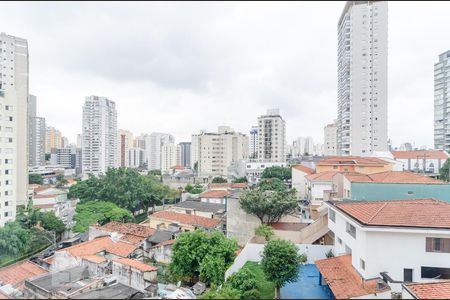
(253, 154)
(362, 78)
(441, 100)
(13, 107)
(153, 145)
(135, 158)
(271, 137)
(185, 154)
(168, 156)
(99, 135)
(126, 142)
(330, 139)
(36, 135)
(53, 139)
(218, 150)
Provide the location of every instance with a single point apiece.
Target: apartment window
(438, 245)
(433, 272)
(362, 263)
(408, 275)
(332, 215)
(350, 229)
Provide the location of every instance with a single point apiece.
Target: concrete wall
(132, 277)
(299, 182)
(383, 191)
(253, 252)
(240, 225)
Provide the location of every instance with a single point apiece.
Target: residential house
(134, 273)
(164, 219)
(12, 278)
(162, 252)
(214, 196)
(365, 165)
(386, 243)
(317, 184)
(199, 208)
(422, 161)
(388, 185)
(429, 290)
(135, 234)
(299, 172)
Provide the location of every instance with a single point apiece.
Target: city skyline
(213, 71)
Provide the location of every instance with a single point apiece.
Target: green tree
(154, 172)
(272, 184)
(194, 189)
(264, 230)
(280, 263)
(268, 206)
(101, 212)
(198, 254)
(281, 173)
(35, 179)
(223, 293)
(13, 239)
(443, 172)
(51, 223)
(219, 180)
(240, 180)
(244, 281)
(47, 156)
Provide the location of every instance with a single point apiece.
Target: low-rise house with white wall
(317, 184)
(421, 161)
(214, 196)
(134, 273)
(393, 241)
(199, 208)
(299, 172)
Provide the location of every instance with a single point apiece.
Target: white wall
(317, 189)
(253, 252)
(299, 182)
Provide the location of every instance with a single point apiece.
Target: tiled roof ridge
(377, 212)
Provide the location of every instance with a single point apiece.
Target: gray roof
(201, 206)
(116, 291)
(160, 236)
(63, 280)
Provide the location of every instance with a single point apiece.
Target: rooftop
(342, 278)
(430, 290)
(186, 219)
(135, 264)
(304, 169)
(241, 185)
(289, 226)
(392, 177)
(133, 233)
(160, 236)
(323, 176)
(201, 206)
(420, 154)
(352, 160)
(214, 194)
(116, 291)
(17, 273)
(424, 213)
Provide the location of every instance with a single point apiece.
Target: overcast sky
(182, 67)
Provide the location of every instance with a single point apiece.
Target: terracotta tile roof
(135, 264)
(100, 244)
(34, 186)
(42, 188)
(429, 154)
(132, 232)
(17, 273)
(430, 290)
(94, 258)
(343, 279)
(43, 205)
(427, 213)
(186, 219)
(304, 169)
(322, 176)
(3, 295)
(241, 185)
(214, 194)
(392, 177)
(352, 160)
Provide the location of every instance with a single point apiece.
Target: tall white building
(14, 136)
(135, 157)
(217, 151)
(362, 78)
(195, 149)
(271, 137)
(36, 135)
(184, 154)
(441, 102)
(79, 141)
(253, 142)
(153, 144)
(126, 141)
(169, 156)
(99, 135)
(330, 139)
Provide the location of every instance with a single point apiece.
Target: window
(408, 275)
(362, 263)
(350, 229)
(432, 272)
(437, 245)
(332, 215)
